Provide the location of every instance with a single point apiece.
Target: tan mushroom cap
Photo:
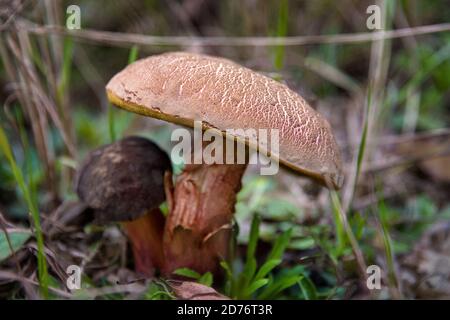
(183, 87)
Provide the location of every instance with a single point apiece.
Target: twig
(4, 228)
(390, 140)
(23, 280)
(129, 39)
(404, 161)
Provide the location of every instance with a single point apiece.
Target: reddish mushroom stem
(146, 237)
(198, 227)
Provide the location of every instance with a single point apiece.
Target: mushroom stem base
(145, 235)
(198, 227)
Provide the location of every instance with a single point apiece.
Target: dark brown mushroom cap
(183, 87)
(123, 180)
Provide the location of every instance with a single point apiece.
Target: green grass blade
(32, 207)
(267, 267)
(27, 154)
(229, 278)
(387, 241)
(250, 266)
(275, 287)
(66, 69)
(253, 237)
(341, 238)
(282, 27)
(247, 274)
(348, 235)
(362, 144)
(255, 286)
(308, 288)
(132, 56)
(111, 124)
(280, 246)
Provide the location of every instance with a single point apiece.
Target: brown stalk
(145, 235)
(201, 208)
(198, 228)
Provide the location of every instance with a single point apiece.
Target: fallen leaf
(429, 264)
(187, 290)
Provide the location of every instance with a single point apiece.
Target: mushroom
(123, 182)
(182, 88)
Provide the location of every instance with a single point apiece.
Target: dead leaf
(187, 290)
(429, 264)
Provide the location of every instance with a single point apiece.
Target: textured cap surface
(123, 180)
(184, 87)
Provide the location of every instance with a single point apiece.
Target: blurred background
(387, 100)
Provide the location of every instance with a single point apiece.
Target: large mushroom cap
(184, 87)
(123, 180)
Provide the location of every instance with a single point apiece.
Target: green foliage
(95, 130)
(428, 82)
(255, 197)
(158, 290)
(11, 242)
(253, 281)
(205, 279)
(408, 223)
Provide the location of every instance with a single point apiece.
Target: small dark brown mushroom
(124, 182)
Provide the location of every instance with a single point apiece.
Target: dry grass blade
(379, 65)
(13, 276)
(36, 95)
(409, 161)
(120, 288)
(128, 39)
(4, 226)
(392, 140)
(39, 125)
(332, 74)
